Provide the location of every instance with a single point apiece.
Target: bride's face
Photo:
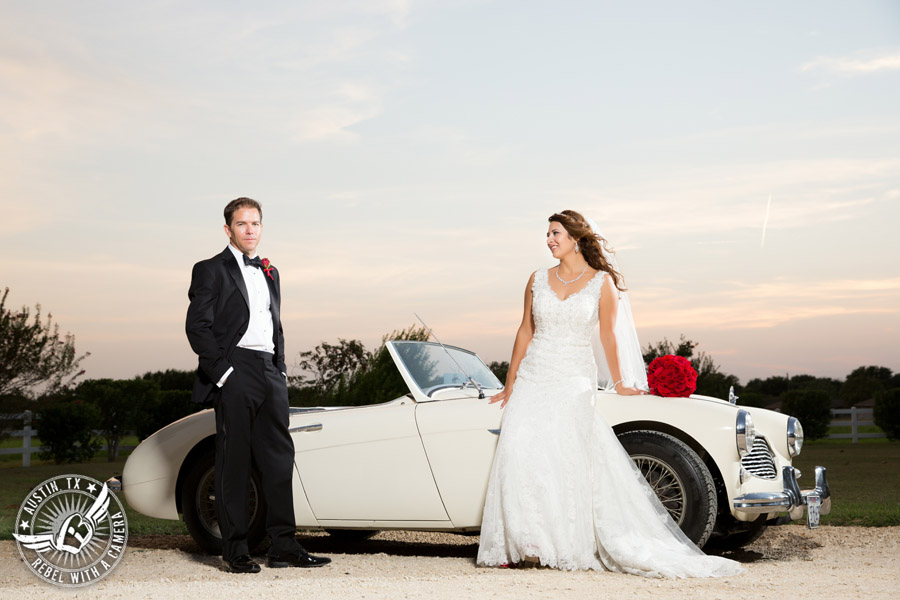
(559, 241)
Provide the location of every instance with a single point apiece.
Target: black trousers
(252, 428)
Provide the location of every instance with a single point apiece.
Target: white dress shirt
(259, 331)
(259, 334)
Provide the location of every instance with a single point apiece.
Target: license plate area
(813, 510)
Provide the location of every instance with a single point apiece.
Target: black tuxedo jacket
(218, 316)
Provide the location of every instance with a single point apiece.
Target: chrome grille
(759, 461)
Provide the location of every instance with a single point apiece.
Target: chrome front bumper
(792, 499)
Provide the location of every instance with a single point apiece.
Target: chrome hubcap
(665, 482)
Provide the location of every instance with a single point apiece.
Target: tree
(684, 348)
(330, 363)
(812, 408)
(11, 405)
(887, 412)
(863, 383)
(378, 380)
(172, 379)
(346, 374)
(65, 426)
(756, 399)
(116, 402)
(710, 380)
(772, 387)
(830, 386)
(893, 382)
(34, 354)
(158, 410)
(769, 390)
(500, 369)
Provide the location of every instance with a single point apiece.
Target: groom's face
(245, 230)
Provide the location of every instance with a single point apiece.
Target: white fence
(859, 417)
(26, 433)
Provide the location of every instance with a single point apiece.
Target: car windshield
(432, 367)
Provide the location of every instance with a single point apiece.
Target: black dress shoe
(303, 559)
(241, 564)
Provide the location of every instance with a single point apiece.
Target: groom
(234, 326)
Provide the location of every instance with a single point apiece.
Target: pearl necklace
(566, 283)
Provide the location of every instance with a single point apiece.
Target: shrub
(162, 408)
(379, 382)
(66, 431)
(887, 412)
(716, 384)
(812, 407)
(753, 399)
(10, 405)
(864, 383)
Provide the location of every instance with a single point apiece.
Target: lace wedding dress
(562, 488)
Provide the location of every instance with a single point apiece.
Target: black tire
(681, 480)
(351, 536)
(198, 503)
(731, 534)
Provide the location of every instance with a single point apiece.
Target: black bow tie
(253, 262)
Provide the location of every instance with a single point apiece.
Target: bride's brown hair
(590, 244)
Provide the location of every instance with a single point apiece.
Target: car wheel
(198, 503)
(351, 536)
(734, 534)
(681, 480)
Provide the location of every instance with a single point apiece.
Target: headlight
(794, 436)
(746, 432)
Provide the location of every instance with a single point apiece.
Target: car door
(459, 430)
(366, 465)
(460, 437)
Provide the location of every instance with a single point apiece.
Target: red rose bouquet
(671, 376)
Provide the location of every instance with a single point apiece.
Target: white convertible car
(422, 461)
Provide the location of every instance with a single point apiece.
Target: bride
(563, 492)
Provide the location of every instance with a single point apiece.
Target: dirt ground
(787, 562)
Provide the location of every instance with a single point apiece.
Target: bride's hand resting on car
(624, 390)
(502, 396)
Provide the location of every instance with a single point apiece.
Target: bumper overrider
(815, 502)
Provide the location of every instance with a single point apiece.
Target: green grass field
(864, 480)
(17, 481)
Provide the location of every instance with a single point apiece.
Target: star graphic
(23, 525)
(91, 488)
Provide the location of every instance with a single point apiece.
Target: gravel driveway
(787, 562)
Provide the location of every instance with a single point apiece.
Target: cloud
(44, 96)
(331, 123)
(350, 103)
(65, 87)
(830, 290)
(460, 144)
(726, 200)
(766, 305)
(886, 61)
(341, 45)
(762, 241)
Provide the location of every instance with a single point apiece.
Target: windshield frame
(421, 395)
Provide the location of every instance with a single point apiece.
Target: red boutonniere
(267, 268)
(671, 376)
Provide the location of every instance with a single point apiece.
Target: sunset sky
(743, 158)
